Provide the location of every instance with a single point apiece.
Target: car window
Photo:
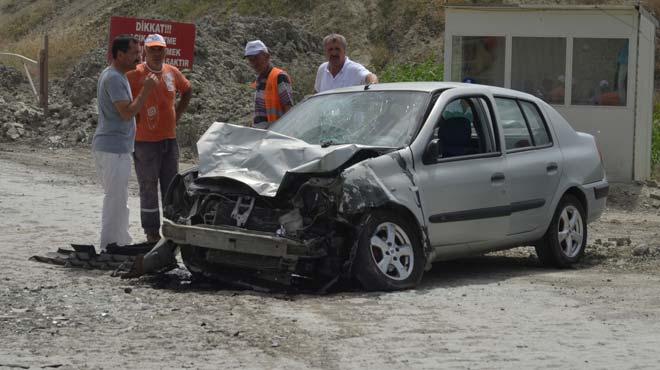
(536, 124)
(514, 128)
(462, 129)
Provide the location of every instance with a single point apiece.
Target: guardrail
(27, 72)
(42, 95)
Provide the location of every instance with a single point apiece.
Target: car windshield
(377, 118)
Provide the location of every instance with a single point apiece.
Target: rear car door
(533, 162)
(462, 182)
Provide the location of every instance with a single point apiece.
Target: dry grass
(185, 10)
(19, 18)
(64, 47)
(272, 7)
(23, 22)
(22, 28)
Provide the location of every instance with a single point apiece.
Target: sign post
(43, 76)
(180, 37)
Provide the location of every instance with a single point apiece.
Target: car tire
(565, 240)
(390, 254)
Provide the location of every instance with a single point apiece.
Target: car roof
(433, 86)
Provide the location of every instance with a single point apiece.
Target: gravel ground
(497, 311)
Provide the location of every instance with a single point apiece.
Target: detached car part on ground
(378, 182)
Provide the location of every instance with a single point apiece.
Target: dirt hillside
(381, 34)
(221, 77)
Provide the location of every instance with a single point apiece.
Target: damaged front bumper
(231, 239)
(247, 249)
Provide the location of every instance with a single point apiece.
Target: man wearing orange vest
(273, 96)
(156, 155)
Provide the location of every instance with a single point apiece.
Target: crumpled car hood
(261, 158)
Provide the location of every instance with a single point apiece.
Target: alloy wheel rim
(392, 251)
(570, 232)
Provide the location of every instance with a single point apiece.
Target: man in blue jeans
(112, 145)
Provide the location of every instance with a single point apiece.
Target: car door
(533, 162)
(462, 183)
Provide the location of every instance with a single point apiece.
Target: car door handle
(498, 177)
(552, 167)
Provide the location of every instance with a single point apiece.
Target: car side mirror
(433, 150)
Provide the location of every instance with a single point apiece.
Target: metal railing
(27, 71)
(42, 95)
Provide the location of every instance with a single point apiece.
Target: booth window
(600, 71)
(478, 59)
(538, 66)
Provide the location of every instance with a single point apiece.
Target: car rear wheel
(390, 255)
(566, 238)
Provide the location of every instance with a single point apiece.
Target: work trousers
(155, 162)
(113, 170)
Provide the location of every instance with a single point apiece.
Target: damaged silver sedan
(376, 183)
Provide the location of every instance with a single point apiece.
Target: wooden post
(43, 76)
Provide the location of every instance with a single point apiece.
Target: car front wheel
(566, 238)
(390, 255)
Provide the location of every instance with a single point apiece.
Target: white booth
(594, 64)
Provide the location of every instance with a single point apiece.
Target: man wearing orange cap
(156, 155)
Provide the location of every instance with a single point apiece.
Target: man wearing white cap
(156, 153)
(273, 96)
(339, 71)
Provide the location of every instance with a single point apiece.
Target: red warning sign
(179, 37)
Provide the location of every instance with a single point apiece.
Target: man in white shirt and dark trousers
(339, 71)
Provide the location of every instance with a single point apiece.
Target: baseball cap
(255, 47)
(154, 40)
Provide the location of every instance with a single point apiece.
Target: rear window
(536, 125)
(522, 124)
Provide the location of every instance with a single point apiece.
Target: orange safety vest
(274, 109)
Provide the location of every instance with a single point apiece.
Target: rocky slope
(380, 33)
(220, 81)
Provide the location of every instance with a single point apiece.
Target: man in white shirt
(339, 71)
